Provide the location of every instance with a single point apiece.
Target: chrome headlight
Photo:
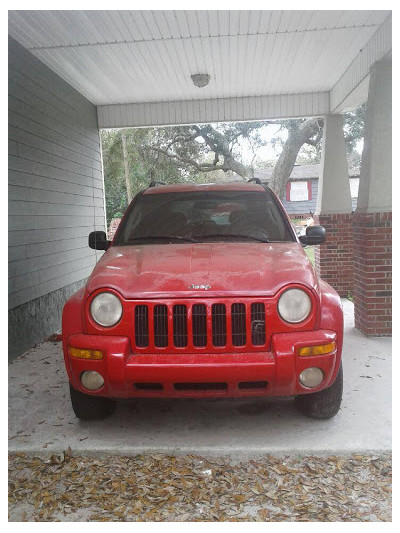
(294, 305)
(106, 309)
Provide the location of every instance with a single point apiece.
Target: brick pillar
(373, 273)
(334, 258)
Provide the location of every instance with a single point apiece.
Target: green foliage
(309, 155)
(310, 252)
(353, 126)
(144, 164)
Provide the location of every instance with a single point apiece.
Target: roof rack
(155, 182)
(256, 180)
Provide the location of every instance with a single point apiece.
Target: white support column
(375, 191)
(333, 187)
(373, 216)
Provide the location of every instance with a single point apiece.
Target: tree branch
(202, 167)
(180, 137)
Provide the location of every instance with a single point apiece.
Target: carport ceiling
(127, 57)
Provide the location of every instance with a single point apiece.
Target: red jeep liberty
(205, 291)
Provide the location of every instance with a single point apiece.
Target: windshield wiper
(163, 237)
(235, 235)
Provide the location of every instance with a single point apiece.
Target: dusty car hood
(171, 270)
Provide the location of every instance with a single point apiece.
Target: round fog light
(311, 377)
(92, 380)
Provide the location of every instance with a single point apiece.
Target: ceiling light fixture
(200, 80)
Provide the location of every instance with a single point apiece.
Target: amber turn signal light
(320, 349)
(85, 353)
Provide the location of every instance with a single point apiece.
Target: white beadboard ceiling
(131, 57)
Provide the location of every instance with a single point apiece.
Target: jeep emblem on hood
(201, 287)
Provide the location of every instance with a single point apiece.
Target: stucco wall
(55, 195)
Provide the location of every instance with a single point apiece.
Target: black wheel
(88, 407)
(322, 404)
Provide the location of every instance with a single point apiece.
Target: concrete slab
(41, 418)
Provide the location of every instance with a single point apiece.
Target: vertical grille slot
(141, 326)
(219, 324)
(160, 326)
(238, 324)
(199, 325)
(180, 326)
(258, 324)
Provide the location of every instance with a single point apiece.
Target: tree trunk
(284, 166)
(126, 167)
(287, 159)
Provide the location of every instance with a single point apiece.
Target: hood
(179, 270)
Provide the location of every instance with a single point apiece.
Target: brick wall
(334, 258)
(373, 273)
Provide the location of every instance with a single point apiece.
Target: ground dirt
(159, 487)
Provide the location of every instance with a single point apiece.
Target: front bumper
(273, 373)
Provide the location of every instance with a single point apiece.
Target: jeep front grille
(198, 326)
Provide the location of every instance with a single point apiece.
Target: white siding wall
(55, 180)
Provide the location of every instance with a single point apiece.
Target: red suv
(205, 291)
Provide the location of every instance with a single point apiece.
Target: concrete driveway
(41, 418)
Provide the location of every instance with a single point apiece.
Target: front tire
(88, 407)
(325, 403)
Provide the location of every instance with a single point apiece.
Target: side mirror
(314, 235)
(98, 240)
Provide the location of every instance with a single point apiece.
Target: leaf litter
(161, 488)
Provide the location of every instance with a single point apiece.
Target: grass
(310, 254)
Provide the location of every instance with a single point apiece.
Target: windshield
(204, 216)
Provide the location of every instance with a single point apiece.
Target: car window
(205, 216)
